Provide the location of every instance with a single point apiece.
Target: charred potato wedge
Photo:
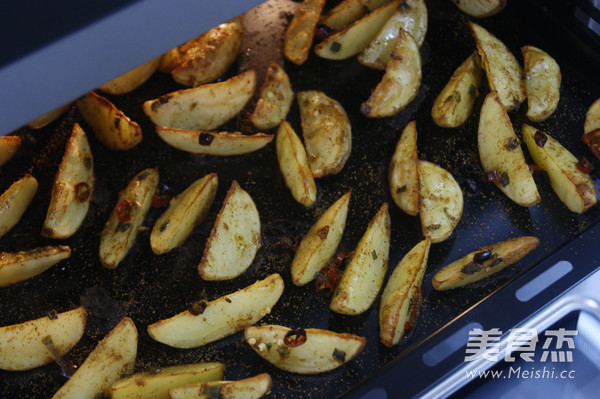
(455, 102)
(574, 188)
(299, 34)
(131, 80)
(205, 107)
(113, 357)
(363, 276)
(185, 212)
(500, 153)
(72, 189)
(320, 243)
(20, 266)
(286, 349)
(8, 148)
(348, 11)
(14, 202)
(504, 74)
(542, 83)
(403, 173)
(327, 132)
(441, 201)
(480, 8)
(124, 221)
(49, 117)
(482, 263)
(400, 82)
(23, 346)
(234, 239)
(220, 318)
(275, 99)
(248, 388)
(222, 144)
(401, 297)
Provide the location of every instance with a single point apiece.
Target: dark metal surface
(148, 287)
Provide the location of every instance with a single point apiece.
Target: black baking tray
(147, 287)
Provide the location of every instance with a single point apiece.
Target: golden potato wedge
(591, 136)
(441, 201)
(320, 243)
(8, 148)
(455, 102)
(500, 153)
(14, 202)
(483, 263)
(574, 188)
(400, 82)
(248, 388)
(185, 212)
(327, 132)
(293, 164)
(49, 117)
(124, 221)
(210, 55)
(22, 345)
(300, 31)
(205, 107)
(401, 296)
(213, 143)
(156, 384)
(113, 357)
(355, 37)
(403, 173)
(363, 276)
(504, 74)
(411, 16)
(275, 99)
(110, 125)
(72, 189)
(348, 11)
(542, 83)
(23, 265)
(234, 239)
(480, 8)
(131, 80)
(322, 351)
(207, 322)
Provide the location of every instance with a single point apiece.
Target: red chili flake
(322, 232)
(533, 168)
(584, 165)
(492, 176)
(82, 192)
(123, 210)
(415, 304)
(295, 337)
(340, 258)
(163, 196)
(327, 279)
(205, 139)
(592, 140)
(197, 308)
(540, 139)
(322, 32)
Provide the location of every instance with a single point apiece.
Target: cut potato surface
(542, 83)
(248, 388)
(403, 173)
(15, 201)
(348, 11)
(8, 148)
(275, 99)
(20, 266)
(480, 8)
(300, 31)
(131, 80)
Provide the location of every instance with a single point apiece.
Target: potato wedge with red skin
(132, 79)
(348, 11)
(480, 8)
(403, 173)
(23, 265)
(299, 34)
(275, 99)
(247, 388)
(8, 148)
(15, 201)
(542, 83)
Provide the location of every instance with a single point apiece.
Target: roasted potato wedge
(403, 173)
(483, 263)
(8, 148)
(219, 318)
(355, 37)
(504, 74)
(210, 55)
(275, 99)
(441, 201)
(185, 212)
(322, 351)
(363, 276)
(591, 136)
(300, 31)
(348, 11)
(455, 102)
(320, 243)
(574, 188)
(72, 189)
(400, 82)
(113, 357)
(542, 83)
(480, 8)
(156, 384)
(110, 125)
(131, 80)
(401, 297)
(49, 117)
(327, 132)
(22, 345)
(205, 107)
(248, 388)
(14, 202)
(124, 221)
(411, 16)
(234, 239)
(213, 143)
(294, 167)
(23, 265)
(500, 153)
